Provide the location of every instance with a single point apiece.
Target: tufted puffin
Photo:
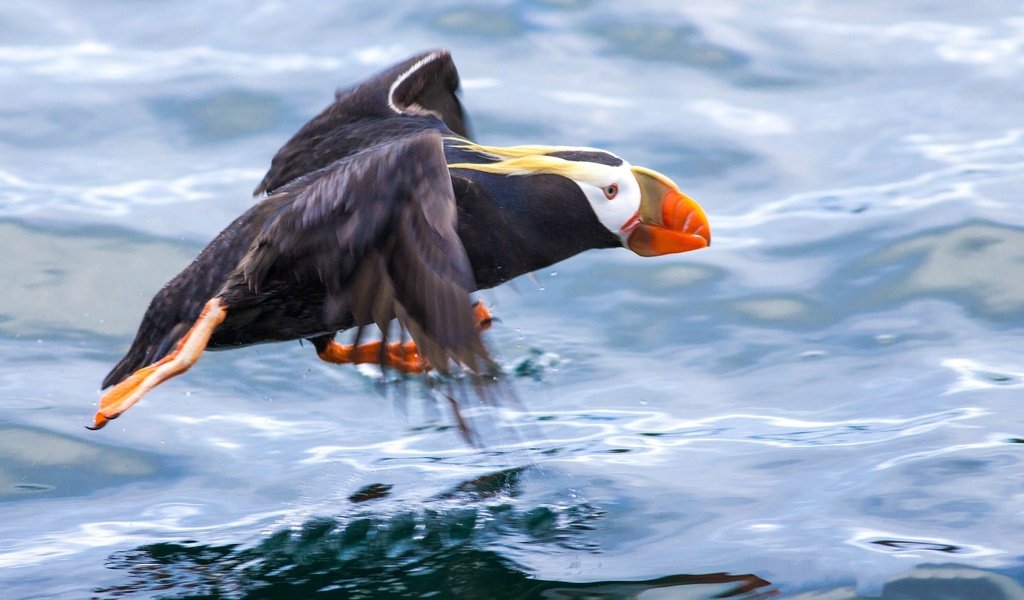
(382, 208)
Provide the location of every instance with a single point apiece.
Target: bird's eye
(610, 191)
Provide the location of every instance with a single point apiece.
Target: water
(825, 403)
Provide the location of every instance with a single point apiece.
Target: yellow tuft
(497, 152)
(533, 160)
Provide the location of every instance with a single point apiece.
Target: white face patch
(613, 192)
(614, 212)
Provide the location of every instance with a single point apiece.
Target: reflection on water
(449, 544)
(320, 560)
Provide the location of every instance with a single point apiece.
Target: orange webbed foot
(401, 356)
(125, 394)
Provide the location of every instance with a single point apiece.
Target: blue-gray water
(825, 403)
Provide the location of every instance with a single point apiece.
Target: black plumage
(365, 222)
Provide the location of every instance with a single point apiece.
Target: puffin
(383, 211)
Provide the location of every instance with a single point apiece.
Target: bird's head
(643, 208)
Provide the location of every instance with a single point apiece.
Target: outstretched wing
(377, 231)
(363, 116)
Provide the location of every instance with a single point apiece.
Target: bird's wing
(428, 83)
(362, 116)
(377, 231)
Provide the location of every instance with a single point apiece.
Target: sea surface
(826, 403)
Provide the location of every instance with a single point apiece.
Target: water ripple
(970, 169)
(948, 150)
(657, 429)
(580, 437)
(995, 440)
(746, 120)
(966, 44)
(975, 375)
(957, 183)
(167, 518)
(19, 197)
(893, 543)
(96, 61)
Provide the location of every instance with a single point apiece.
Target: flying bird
(382, 208)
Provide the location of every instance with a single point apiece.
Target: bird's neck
(514, 225)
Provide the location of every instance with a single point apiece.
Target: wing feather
(378, 231)
(364, 115)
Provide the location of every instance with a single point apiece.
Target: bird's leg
(482, 315)
(126, 393)
(403, 356)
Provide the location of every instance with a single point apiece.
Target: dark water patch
(373, 491)
(536, 364)
(951, 582)
(31, 487)
(414, 555)
(683, 44)
(905, 545)
(830, 203)
(922, 507)
(458, 544)
(28, 403)
(1001, 378)
(93, 293)
(657, 281)
(783, 80)
(565, 5)
(702, 159)
(475, 21)
(944, 263)
(938, 470)
(505, 482)
(505, 130)
(60, 126)
(878, 273)
(48, 464)
(223, 116)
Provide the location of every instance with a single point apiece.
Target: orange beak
(667, 222)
